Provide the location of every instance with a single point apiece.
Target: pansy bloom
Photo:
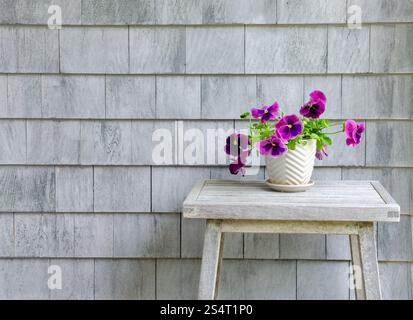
(273, 146)
(267, 113)
(236, 143)
(354, 132)
(321, 153)
(238, 164)
(316, 106)
(289, 127)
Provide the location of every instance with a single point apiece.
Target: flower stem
(334, 132)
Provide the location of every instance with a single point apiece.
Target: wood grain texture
(348, 50)
(326, 201)
(73, 97)
(370, 267)
(385, 10)
(94, 50)
(106, 142)
(290, 227)
(74, 189)
(340, 154)
(389, 144)
(397, 55)
(378, 97)
(157, 50)
(211, 261)
(78, 283)
(144, 149)
(311, 11)
(130, 97)
(111, 12)
(396, 280)
(177, 278)
(36, 12)
(27, 189)
(286, 90)
(147, 235)
(285, 50)
(178, 12)
(227, 97)
(29, 49)
(398, 181)
(6, 235)
(338, 247)
(357, 274)
(178, 97)
(93, 235)
(44, 235)
(302, 246)
(17, 281)
(395, 240)
(23, 97)
(323, 173)
(214, 50)
(322, 280)
(3, 93)
(258, 279)
(124, 279)
(53, 142)
(167, 195)
(261, 246)
(12, 141)
(113, 192)
(239, 12)
(192, 240)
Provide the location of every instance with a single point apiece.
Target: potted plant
(290, 143)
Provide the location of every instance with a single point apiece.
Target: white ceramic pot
(295, 167)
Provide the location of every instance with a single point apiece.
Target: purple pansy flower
(273, 146)
(354, 132)
(237, 143)
(323, 152)
(267, 113)
(289, 127)
(238, 165)
(316, 106)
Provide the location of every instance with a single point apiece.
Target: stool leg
(357, 268)
(211, 261)
(369, 262)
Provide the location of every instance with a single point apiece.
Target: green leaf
(327, 140)
(314, 136)
(291, 144)
(244, 115)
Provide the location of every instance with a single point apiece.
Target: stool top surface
(325, 201)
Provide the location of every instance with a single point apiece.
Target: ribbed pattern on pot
(293, 168)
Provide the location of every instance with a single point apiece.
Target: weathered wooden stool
(330, 207)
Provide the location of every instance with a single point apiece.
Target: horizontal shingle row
(89, 235)
(207, 50)
(178, 279)
(158, 235)
(141, 235)
(199, 97)
(147, 142)
(107, 189)
(135, 12)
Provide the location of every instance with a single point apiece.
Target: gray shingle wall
(80, 189)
